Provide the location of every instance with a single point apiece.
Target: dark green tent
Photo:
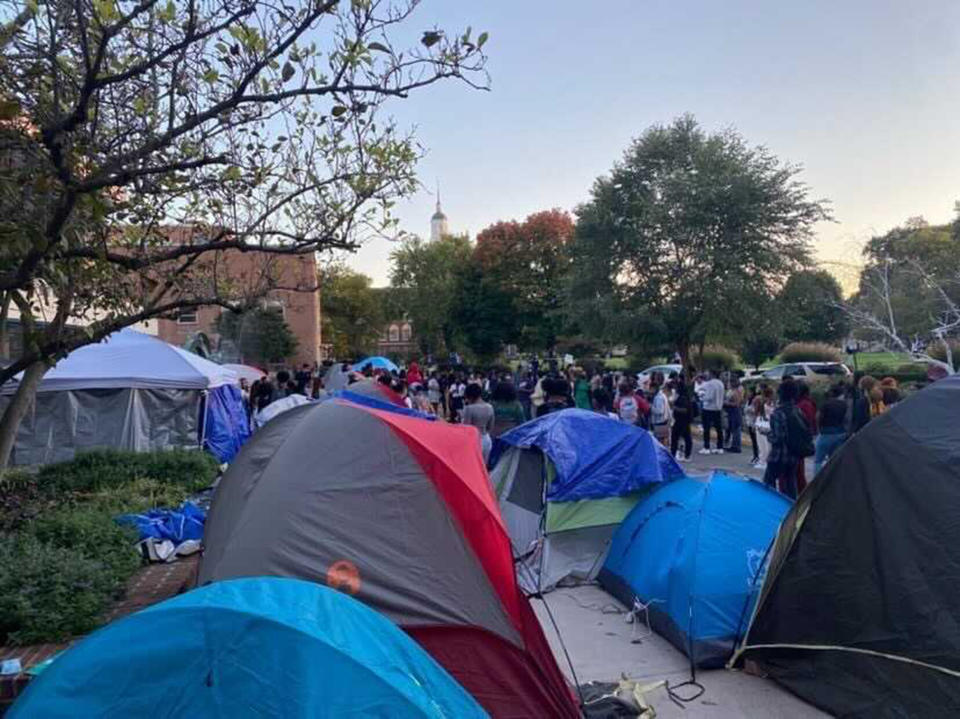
(860, 611)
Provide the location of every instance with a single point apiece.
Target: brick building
(397, 338)
(300, 309)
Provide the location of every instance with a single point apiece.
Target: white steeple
(438, 223)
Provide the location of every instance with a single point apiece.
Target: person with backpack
(630, 407)
(660, 412)
(790, 442)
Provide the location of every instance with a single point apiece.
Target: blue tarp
(226, 426)
(595, 456)
(377, 363)
(177, 525)
(696, 548)
(373, 403)
(255, 647)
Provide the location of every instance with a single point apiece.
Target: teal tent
(254, 647)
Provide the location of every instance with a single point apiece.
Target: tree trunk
(14, 413)
(683, 349)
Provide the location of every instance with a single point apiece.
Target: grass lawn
(887, 360)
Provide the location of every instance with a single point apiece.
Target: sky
(864, 94)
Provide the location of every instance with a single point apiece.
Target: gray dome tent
(860, 610)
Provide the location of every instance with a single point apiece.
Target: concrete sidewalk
(602, 646)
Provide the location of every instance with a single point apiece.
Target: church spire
(438, 223)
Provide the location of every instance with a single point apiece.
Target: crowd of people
(784, 424)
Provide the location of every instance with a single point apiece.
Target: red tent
(399, 512)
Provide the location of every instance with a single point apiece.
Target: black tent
(860, 610)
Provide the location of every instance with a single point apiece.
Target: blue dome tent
(565, 481)
(693, 550)
(375, 362)
(263, 647)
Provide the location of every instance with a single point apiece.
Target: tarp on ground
(256, 647)
(176, 525)
(693, 550)
(594, 456)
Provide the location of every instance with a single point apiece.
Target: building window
(405, 333)
(394, 333)
(187, 316)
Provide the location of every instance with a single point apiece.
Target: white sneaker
(684, 459)
(760, 465)
(717, 451)
(705, 451)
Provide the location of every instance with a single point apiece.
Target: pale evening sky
(865, 94)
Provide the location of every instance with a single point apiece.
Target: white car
(644, 377)
(817, 371)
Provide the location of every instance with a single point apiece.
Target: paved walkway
(603, 646)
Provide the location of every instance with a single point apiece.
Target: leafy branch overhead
(242, 125)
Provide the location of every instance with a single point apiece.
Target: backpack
(629, 409)
(799, 437)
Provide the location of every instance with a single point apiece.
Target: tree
(528, 261)
(900, 267)
(142, 140)
(353, 314)
(909, 295)
(424, 276)
(811, 303)
(260, 335)
(683, 228)
(484, 312)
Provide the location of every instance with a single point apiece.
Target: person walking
(479, 414)
(712, 391)
(733, 407)
(790, 442)
(683, 415)
(833, 430)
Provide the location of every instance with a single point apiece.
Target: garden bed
(64, 562)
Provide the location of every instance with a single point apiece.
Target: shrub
(716, 358)
(810, 352)
(68, 559)
(938, 351)
(48, 593)
(108, 468)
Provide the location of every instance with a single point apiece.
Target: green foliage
(484, 313)
(353, 313)
(108, 469)
(260, 335)
(425, 277)
(716, 358)
(811, 307)
(810, 352)
(63, 559)
(685, 227)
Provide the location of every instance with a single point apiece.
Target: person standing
(833, 431)
(660, 413)
(712, 392)
(790, 442)
(479, 414)
(433, 392)
(414, 376)
(808, 408)
(581, 391)
(557, 396)
(683, 415)
(507, 410)
(733, 406)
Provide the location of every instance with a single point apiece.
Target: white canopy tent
(130, 391)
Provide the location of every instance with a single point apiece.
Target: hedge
(810, 352)
(716, 358)
(63, 559)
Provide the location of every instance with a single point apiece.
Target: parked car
(810, 371)
(644, 377)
